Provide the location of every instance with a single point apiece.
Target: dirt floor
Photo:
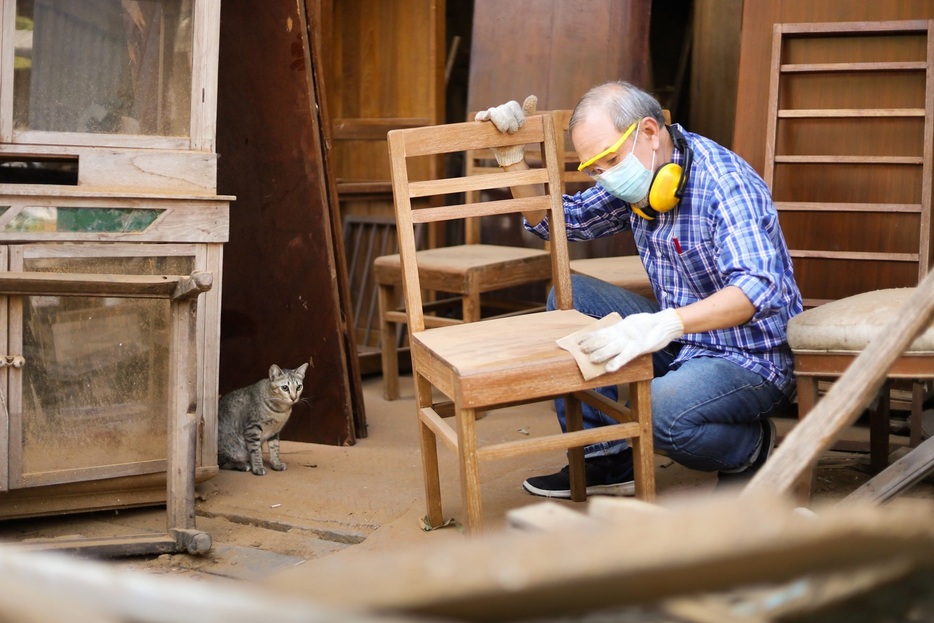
(351, 502)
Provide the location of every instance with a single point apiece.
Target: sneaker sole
(623, 489)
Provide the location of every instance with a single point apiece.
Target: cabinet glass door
(91, 401)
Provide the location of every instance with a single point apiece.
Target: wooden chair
(826, 339)
(492, 363)
(470, 273)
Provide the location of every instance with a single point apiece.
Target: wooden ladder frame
(781, 33)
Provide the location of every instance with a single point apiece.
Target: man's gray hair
(625, 103)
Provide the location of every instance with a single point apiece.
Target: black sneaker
(605, 475)
(731, 479)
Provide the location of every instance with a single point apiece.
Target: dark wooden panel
(281, 301)
(555, 49)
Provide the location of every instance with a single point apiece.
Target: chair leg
(574, 420)
(807, 398)
(914, 418)
(388, 351)
(471, 303)
(643, 447)
(879, 430)
(469, 468)
(429, 445)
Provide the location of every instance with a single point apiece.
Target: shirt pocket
(699, 271)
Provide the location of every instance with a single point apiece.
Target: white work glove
(632, 336)
(508, 118)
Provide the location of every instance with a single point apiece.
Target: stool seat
(850, 324)
(625, 271)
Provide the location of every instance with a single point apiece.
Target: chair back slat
(425, 201)
(474, 210)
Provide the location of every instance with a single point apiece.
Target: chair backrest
(408, 144)
(478, 162)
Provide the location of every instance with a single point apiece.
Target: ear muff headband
(669, 180)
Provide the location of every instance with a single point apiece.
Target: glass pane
(103, 66)
(109, 220)
(95, 385)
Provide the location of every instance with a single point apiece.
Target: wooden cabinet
(107, 167)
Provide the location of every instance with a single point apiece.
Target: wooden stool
(625, 271)
(826, 339)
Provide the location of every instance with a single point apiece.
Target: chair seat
(849, 324)
(496, 266)
(625, 271)
(493, 361)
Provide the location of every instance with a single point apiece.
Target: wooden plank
(79, 284)
(857, 27)
(95, 591)
(809, 206)
(436, 423)
(897, 477)
(558, 441)
(840, 160)
(855, 255)
(708, 544)
(846, 399)
(205, 45)
(478, 182)
(106, 547)
(844, 67)
(182, 421)
(848, 113)
(77, 139)
(8, 36)
(473, 210)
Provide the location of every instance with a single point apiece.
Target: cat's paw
(279, 467)
(259, 471)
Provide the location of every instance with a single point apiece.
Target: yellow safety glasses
(603, 154)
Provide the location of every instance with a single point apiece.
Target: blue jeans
(706, 411)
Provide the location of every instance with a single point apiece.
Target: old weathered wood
(802, 447)
(180, 408)
(707, 543)
(897, 477)
(75, 284)
(89, 591)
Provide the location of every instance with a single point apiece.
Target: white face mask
(629, 180)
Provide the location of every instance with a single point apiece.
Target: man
(722, 279)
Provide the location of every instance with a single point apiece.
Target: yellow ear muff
(665, 183)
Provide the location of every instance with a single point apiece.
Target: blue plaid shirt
(724, 232)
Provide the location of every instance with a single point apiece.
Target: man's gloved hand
(632, 336)
(508, 118)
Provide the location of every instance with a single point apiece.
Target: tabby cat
(251, 415)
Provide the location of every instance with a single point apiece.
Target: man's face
(597, 142)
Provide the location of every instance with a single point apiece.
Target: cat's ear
(274, 372)
(300, 370)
